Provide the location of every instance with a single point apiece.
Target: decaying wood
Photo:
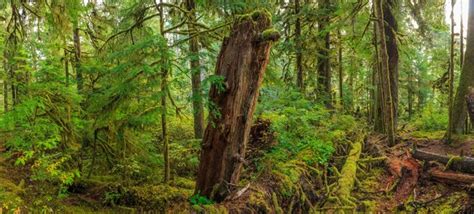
(451, 177)
(242, 61)
(405, 171)
(463, 164)
(348, 174)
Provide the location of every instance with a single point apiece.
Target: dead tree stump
(242, 61)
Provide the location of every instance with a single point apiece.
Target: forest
(236, 106)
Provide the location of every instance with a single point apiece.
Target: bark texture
(470, 104)
(77, 57)
(387, 72)
(299, 55)
(198, 109)
(324, 66)
(462, 164)
(467, 76)
(242, 62)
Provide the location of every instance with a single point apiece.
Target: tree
(195, 67)
(323, 55)
(299, 56)
(241, 62)
(386, 101)
(451, 76)
(459, 113)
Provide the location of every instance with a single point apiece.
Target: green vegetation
(109, 106)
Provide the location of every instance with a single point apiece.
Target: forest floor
(404, 184)
(394, 183)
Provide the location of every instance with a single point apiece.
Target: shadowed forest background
(236, 106)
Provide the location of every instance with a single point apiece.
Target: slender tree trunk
(66, 67)
(451, 76)
(5, 85)
(198, 109)
(391, 27)
(163, 88)
(324, 66)
(242, 62)
(410, 94)
(299, 56)
(385, 88)
(77, 56)
(467, 76)
(340, 68)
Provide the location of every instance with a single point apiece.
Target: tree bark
(77, 55)
(451, 77)
(242, 62)
(385, 75)
(467, 76)
(299, 56)
(470, 103)
(198, 109)
(391, 28)
(462, 164)
(324, 66)
(5, 85)
(340, 69)
(164, 92)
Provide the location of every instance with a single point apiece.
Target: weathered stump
(242, 61)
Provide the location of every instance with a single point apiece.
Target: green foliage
(431, 119)
(200, 200)
(297, 123)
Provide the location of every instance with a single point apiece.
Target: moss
(257, 201)
(270, 34)
(262, 13)
(156, 196)
(428, 134)
(348, 173)
(452, 160)
(278, 209)
(255, 15)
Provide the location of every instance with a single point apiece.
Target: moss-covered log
(463, 164)
(348, 174)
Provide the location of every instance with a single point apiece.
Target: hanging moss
(270, 34)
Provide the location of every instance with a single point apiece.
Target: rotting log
(451, 177)
(242, 62)
(463, 164)
(348, 174)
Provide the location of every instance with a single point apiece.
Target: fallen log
(463, 164)
(451, 177)
(348, 175)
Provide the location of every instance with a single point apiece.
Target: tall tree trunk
(198, 110)
(324, 66)
(340, 68)
(66, 67)
(77, 57)
(451, 77)
(391, 28)
(467, 76)
(385, 87)
(5, 85)
(164, 91)
(242, 62)
(299, 56)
